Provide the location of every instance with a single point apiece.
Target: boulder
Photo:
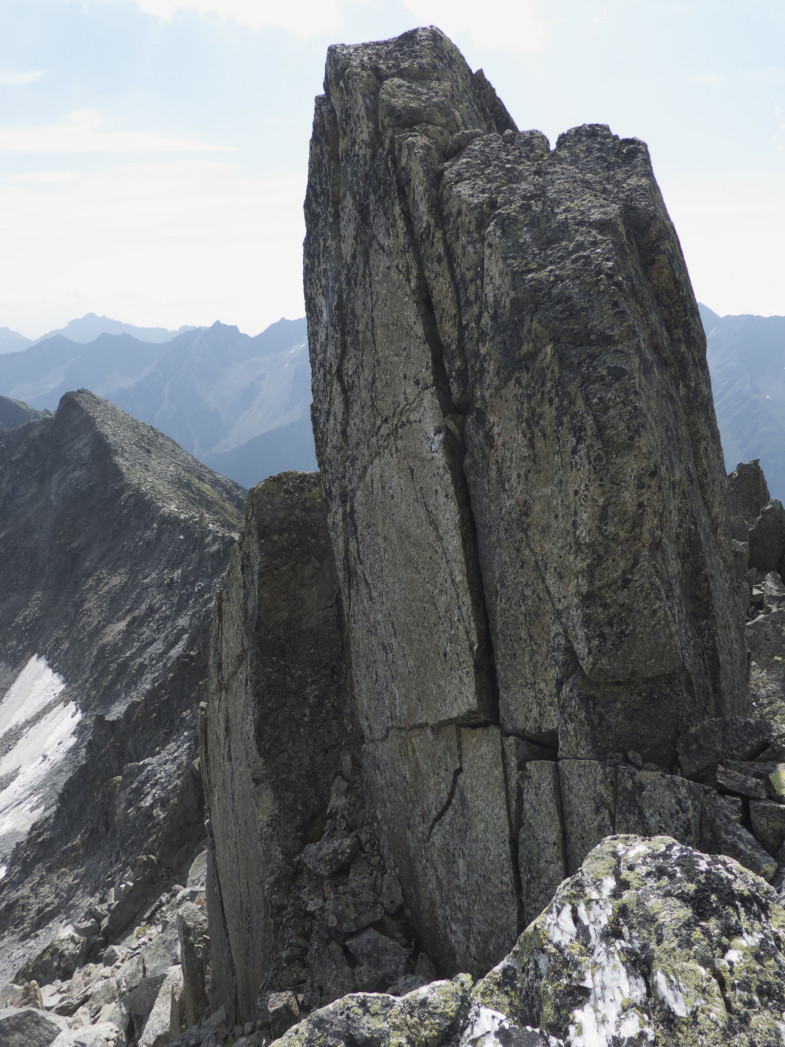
(767, 538)
(102, 1034)
(649, 942)
(704, 745)
(165, 1020)
(194, 959)
(748, 492)
(766, 643)
(427, 1017)
(28, 1027)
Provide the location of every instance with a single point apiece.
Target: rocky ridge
(14, 413)
(113, 541)
(484, 704)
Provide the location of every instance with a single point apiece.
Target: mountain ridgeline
(473, 738)
(239, 404)
(113, 540)
(242, 405)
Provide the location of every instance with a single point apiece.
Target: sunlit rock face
(112, 540)
(525, 488)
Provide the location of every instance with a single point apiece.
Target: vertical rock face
(275, 723)
(524, 480)
(301, 905)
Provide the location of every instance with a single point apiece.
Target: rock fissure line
(388, 428)
(487, 687)
(450, 796)
(466, 723)
(515, 827)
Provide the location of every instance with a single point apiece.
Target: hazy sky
(153, 153)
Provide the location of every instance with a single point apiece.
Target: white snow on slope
(33, 689)
(39, 750)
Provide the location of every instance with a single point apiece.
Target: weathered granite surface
(649, 942)
(522, 470)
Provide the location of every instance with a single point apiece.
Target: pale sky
(153, 153)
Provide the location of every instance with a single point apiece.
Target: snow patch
(34, 688)
(29, 765)
(3, 871)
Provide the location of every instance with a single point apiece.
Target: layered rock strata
(523, 475)
(113, 540)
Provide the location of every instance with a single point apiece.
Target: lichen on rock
(650, 942)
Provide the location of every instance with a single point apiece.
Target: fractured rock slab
(524, 482)
(462, 889)
(275, 732)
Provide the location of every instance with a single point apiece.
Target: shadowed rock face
(113, 540)
(299, 897)
(523, 473)
(274, 732)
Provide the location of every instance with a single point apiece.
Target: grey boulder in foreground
(649, 942)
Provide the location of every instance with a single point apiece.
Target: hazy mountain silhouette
(214, 390)
(747, 363)
(89, 327)
(12, 341)
(242, 404)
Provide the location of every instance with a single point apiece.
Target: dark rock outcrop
(113, 540)
(523, 474)
(300, 902)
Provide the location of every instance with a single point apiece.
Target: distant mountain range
(747, 362)
(239, 404)
(242, 405)
(87, 329)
